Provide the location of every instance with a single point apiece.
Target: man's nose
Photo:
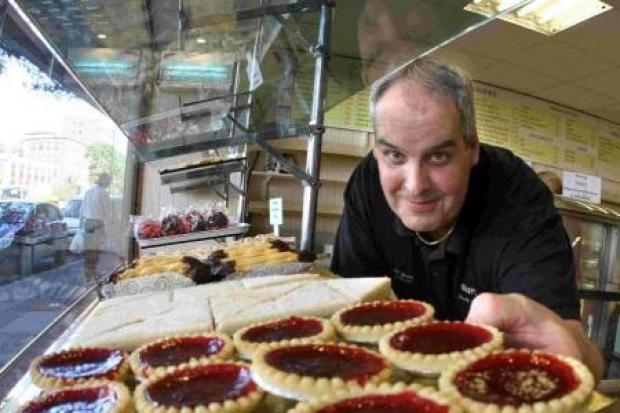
(417, 180)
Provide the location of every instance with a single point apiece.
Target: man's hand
(526, 323)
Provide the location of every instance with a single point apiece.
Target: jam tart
(519, 381)
(282, 331)
(383, 398)
(79, 366)
(428, 349)
(102, 398)
(214, 386)
(309, 371)
(163, 355)
(368, 322)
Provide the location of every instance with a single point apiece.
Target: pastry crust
(243, 404)
(431, 365)
(246, 347)
(142, 370)
(575, 401)
(372, 333)
(380, 389)
(121, 405)
(302, 387)
(50, 382)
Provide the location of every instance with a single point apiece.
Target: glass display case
(594, 233)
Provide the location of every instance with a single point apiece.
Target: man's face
(424, 163)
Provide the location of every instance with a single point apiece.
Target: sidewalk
(30, 304)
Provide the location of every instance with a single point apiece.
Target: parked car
(30, 233)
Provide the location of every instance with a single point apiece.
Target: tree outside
(103, 157)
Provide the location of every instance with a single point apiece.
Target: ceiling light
(102, 36)
(201, 40)
(544, 16)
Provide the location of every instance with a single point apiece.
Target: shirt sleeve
(539, 263)
(355, 250)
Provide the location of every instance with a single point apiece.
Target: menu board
(609, 151)
(352, 113)
(537, 130)
(542, 132)
(494, 118)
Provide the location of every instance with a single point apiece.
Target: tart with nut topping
(214, 386)
(309, 371)
(368, 322)
(104, 397)
(428, 349)
(79, 366)
(163, 355)
(283, 331)
(383, 398)
(519, 381)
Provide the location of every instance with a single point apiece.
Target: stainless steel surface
(589, 212)
(313, 157)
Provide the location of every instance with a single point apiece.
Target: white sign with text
(582, 187)
(275, 214)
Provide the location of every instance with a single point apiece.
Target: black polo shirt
(508, 238)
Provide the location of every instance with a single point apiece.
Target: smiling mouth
(423, 206)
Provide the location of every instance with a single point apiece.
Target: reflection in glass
(54, 144)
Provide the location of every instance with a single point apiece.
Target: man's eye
(439, 158)
(394, 157)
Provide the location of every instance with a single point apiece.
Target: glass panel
(588, 239)
(55, 146)
(166, 71)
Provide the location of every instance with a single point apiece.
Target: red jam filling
(440, 338)
(292, 327)
(382, 313)
(322, 360)
(513, 379)
(87, 400)
(405, 402)
(176, 351)
(199, 386)
(81, 363)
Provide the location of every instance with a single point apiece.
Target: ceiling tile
(470, 62)
(598, 35)
(516, 78)
(559, 60)
(607, 83)
(575, 97)
(611, 113)
(498, 40)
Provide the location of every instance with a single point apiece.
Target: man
(467, 227)
(96, 214)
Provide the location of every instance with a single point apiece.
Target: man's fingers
(494, 310)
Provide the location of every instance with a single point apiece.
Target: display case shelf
(230, 231)
(201, 176)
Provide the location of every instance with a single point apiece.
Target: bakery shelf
(270, 174)
(197, 176)
(327, 148)
(230, 231)
(262, 208)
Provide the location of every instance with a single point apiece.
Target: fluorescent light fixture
(103, 66)
(544, 16)
(201, 40)
(102, 36)
(195, 70)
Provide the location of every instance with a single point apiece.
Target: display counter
(67, 331)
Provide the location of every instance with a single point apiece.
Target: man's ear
(475, 152)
